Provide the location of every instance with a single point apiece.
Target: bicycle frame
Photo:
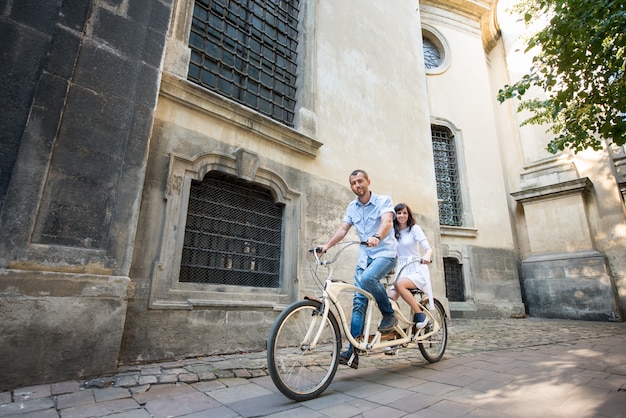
(331, 291)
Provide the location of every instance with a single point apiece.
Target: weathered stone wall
(58, 326)
(495, 286)
(231, 321)
(571, 286)
(80, 79)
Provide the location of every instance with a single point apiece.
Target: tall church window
(233, 234)
(246, 50)
(447, 177)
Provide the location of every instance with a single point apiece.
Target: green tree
(580, 66)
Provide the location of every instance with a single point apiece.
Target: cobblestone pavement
(514, 367)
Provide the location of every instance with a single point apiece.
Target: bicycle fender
(313, 298)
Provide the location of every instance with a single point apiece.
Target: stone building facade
(165, 165)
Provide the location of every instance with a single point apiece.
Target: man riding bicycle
(372, 217)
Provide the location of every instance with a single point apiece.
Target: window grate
(447, 177)
(232, 235)
(455, 285)
(246, 50)
(432, 55)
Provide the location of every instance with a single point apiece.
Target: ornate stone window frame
(167, 292)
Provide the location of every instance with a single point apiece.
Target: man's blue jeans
(368, 279)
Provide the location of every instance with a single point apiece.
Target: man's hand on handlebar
(372, 241)
(321, 249)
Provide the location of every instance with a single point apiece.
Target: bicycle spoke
(297, 371)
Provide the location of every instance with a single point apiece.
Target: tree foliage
(581, 68)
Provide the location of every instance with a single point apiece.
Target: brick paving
(503, 368)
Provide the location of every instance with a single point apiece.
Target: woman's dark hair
(409, 222)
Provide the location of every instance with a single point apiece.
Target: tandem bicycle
(305, 341)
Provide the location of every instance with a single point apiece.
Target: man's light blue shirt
(366, 219)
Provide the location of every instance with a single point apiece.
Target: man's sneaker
(344, 358)
(387, 324)
(420, 319)
(391, 351)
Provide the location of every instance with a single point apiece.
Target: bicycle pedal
(393, 352)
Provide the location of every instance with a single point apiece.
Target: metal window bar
(447, 177)
(455, 284)
(246, 50)
(432, 55)
(232, 235)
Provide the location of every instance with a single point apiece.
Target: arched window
(447, 176)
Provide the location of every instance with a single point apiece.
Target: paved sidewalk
(492, 368)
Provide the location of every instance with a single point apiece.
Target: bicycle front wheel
(299, 371)
(434, 346)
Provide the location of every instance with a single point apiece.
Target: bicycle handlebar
(417, 260)
(343, 245)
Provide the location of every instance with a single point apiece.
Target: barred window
(246, 51)
(447, 177)
(455, 284)
(432, 54)
(232, 235)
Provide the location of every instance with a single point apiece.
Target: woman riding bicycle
(416, 275)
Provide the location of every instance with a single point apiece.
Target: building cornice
(483, 12)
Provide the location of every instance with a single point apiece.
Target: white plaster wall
(462, 95)
(566, 220)
(371, 99)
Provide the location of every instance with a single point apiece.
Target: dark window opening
(233, 234)
(455, 284)
(246, 50)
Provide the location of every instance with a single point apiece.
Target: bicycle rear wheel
(434, 346)
(299, 372)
